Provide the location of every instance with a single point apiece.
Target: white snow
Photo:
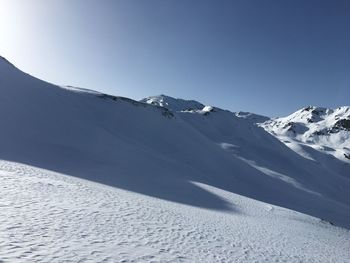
(51, 217)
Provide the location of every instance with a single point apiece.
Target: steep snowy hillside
(195, 156)
(326, 130)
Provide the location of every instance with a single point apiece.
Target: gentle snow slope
(50, 217)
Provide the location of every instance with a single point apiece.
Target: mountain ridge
(158, 152)
(325, 129)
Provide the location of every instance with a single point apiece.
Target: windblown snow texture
(50, 217)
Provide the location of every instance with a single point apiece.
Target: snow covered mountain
(326, 130)
(173, 104)
(176, 158)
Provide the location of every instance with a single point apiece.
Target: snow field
(51, 217)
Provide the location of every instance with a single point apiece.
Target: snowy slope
(189, 154)
(325, 130)
(281, 176)
(52, 217)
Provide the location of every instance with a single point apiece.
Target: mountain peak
(319, 127)
(173, 104)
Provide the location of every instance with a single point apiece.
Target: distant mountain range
(326, 130)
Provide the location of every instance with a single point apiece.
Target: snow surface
(51, 217)
(120, 163)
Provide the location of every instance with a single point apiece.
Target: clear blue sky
(268, 57)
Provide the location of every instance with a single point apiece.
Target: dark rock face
(308, 108)
(164, 111)
(167, 113)
(116, 98)
(322, 132)
(295, 127)
(343, 124)
(314, 113)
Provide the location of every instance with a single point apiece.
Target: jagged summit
(313, 117)
(310, 114)
(320, 127)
